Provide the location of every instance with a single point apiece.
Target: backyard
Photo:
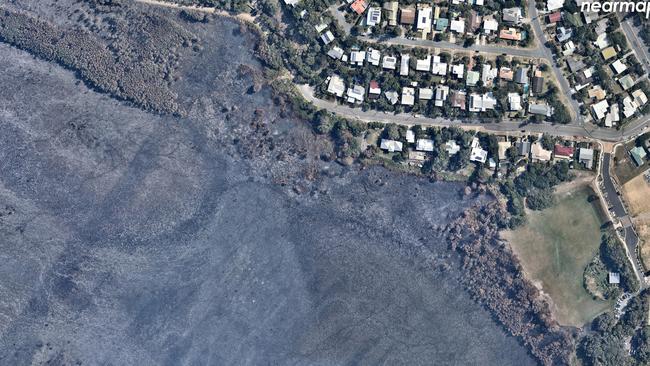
(555, 246)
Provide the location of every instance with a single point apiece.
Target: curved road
(616, 202)
(632, 130)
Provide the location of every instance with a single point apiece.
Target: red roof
(563, 150)
(359, 6)
(555, 17)
(374, 84)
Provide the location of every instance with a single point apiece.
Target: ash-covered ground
(219, 238)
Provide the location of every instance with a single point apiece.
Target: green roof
(626, 82)
(441, 24)
(472, 78)
(638, 153)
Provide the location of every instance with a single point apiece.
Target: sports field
(555, 246)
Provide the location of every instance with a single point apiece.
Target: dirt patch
(636, 193)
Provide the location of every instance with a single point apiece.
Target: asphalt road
(605, 134)
(546, 53)
(614, 199)
(637, 45)
(538, 51)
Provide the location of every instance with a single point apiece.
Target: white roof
(514, 100)
(424, 145)
(424, 18)
(357, 57)
(390, 145)
(488, 74)
(539, 153)
(639, 97)
(490, 25)
(320, 27)
(335, 53)
(477, 153)
(614, 278)
(389, 62)
(424, 64)
(481, 102)
(336, 86)
(374, 16)
(600, 108)
(410, 136)
(452, 147)
(586, 154)
(554, 4)
(629, 107)
(425, 93)
(458, 70)
(392, 96)
(327, 37)
(458, 25)
(619, 66)
(373, 56)
(408, 96)
(438, 68)
(404, 65)
(442, 91)
(356, 93)
(601, 41)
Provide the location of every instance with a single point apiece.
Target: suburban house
(407, 16)
(408, 96)
(423, 23)
(563, 152)
(477, 154)
(359, 6)
(424, 145)
(390, 145)
(521, 75)
(389, 62)
(540, 109)
(404, 64)
(458, 99)
(373, 17)
(514, 101)
(510, 34)
(425, 94)
(512, 15)
(390, 7)
(586, 157)
(356, 94)
(336, 86)
(481, 102)
(638, 153)
(538, 153)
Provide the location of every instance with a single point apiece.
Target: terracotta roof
(563, 150)
(407, 16)
(554, 17)
(359, 6)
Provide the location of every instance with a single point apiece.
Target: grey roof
(521, 75)
(538, 84)
(523, 148)
(574, 65)
(512, 15)
(541, 109)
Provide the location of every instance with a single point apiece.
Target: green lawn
(555, 246)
